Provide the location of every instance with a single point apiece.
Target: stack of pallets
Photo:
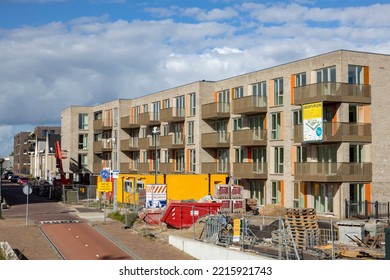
(302, 227)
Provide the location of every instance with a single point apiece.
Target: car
(14, 179)
(22, 181)
(6, 175)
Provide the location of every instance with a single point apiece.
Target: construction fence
(367, 209)
(297, 235)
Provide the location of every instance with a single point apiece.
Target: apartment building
(22, 148)
(310, 133)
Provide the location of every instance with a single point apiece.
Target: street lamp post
(1, 178)
(155, 133)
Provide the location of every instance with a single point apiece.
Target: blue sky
(58, 53)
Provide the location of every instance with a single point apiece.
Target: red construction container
(184, 214)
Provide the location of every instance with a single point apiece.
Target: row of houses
(310, 133)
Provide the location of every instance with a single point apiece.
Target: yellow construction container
(179, 186)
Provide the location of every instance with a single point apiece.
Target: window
(192, 161)
(278, 159)
(144, 156)
(179, 160)
(297, 117)
(239, 155)
(224, 101)
(301, 154)
(298, 200)
(223, 160)
(83, 161)
(180, 106)
(145, 108)
(156, 110)
(83, 141)
(137, 111)
(237, 123)
(275, 126)
(325, 75)
(83, 121)
(300, 79)
(98, 115)
(276, 197)
(355, 74)
(166, 103)
(97, 137)
(192, 104)
(356, 153)
(190, 133)
(257, 191)
(259, 89)
(278, 92)
(165, 130)
(44, 133)
(115, 117)
(178, 133)
(128, 186)
(238, 92)
(165, 156)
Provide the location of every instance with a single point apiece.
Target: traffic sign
(104, 174)
(104, 186)
(27, 190)
(115, 174)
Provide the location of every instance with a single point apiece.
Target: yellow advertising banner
(104, 186)
(312, 122)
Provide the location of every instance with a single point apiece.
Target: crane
(59, 156)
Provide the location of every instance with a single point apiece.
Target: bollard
(387, 243)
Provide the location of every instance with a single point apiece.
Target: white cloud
(91, 60)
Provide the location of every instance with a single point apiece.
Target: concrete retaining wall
(205, 251)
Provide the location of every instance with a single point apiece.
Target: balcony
(145, 167)
(216, 167)
(166, 167)
(149, 118)
(333, 171)
(129, 145)
(332, 92)
(250, 170)
(339, 132)
(215, 111)
(250, 105)
(97, 146)
(175, 114)
(148, 143)
(128, 167)
(172, 141)
(250, 137)
(102, 124)
(129, 122)
(216, 140)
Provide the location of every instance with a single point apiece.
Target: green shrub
(131, 217)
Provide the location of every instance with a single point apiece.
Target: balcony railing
(339, 132)
(250, 105)
(216, 140)
(250, 170)
(129, 144)
(336, 92)
(173, 114)
(333, 171)
(149, 118)
(216, 110)
(129, 122)
(172, 141)
(250, 137)
(128, 167)
(215, 167)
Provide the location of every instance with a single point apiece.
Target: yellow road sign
(104, 186)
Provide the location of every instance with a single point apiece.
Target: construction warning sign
(104, 186)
